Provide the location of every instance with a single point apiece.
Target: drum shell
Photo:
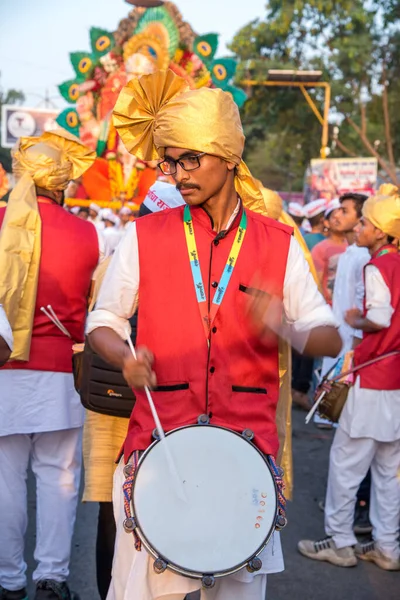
(188, 571)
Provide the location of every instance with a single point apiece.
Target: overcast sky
(36, 36)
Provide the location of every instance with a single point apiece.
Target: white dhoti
(56, 463)
(133, 576)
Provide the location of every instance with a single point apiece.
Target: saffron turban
(159, 110)
(49, 161)
(383, 210)
(52, 159)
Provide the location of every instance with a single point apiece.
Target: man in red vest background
(208, 361)
(368, 435)
(47, 257)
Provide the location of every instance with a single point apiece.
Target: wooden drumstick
(314, 408)
(160, 430)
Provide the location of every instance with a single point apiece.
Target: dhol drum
(230, 508)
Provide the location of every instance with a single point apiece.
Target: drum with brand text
(222, 516)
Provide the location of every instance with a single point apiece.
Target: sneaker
(326, 550)
(48, 589)
(362, 524)
(13, 595)
(372, 553)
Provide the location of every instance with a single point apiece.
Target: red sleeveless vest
(385, 374)
(69, 255)
(234, 380)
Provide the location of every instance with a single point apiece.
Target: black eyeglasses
(190, 162)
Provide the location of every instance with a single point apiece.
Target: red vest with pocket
(69, 255)
(235, 379)
(385, 374)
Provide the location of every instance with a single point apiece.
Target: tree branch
(384, 165)
(386, 117)
(363, 110)
(345, 149)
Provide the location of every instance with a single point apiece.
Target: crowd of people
(210, 285)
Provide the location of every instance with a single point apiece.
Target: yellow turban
(48, 161)
(383, 210)
(159, 110)
(52, 160)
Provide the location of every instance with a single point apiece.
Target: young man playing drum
(204, 276)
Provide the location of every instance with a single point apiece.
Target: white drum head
(231, 503)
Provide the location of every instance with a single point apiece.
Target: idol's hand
(138, 373)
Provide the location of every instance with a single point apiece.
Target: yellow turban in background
(273, 203)
(52, 159)
(158, 111)
(49, 161)
(383, 210)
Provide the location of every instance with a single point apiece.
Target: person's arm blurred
(309, 326)
(5, 351)
(6, 338)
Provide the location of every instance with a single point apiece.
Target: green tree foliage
(356, 43)
(8, 97)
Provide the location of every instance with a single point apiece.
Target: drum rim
(177, 568)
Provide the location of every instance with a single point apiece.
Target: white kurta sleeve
(5, 329)
(304, 306)
(117, 300)
(377, 297)
(362, 260)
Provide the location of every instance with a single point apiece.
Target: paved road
(303, 579)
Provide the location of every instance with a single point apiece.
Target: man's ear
(380, 234)
(231, 166)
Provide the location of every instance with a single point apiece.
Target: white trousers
(133, 577)
(56, 462)
(350, 459)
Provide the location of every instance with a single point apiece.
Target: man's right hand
(5, 352)
(138, 373)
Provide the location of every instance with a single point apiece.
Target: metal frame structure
(295, 81)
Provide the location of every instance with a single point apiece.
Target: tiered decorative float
(153, 36)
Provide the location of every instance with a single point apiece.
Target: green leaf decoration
(69, 90)
(83, 63)
(102, 41)
(205, 46)
(69, 120)
(222, 71)
(160, 16)
(238, 95)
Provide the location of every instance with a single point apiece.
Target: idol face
(198, 176)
